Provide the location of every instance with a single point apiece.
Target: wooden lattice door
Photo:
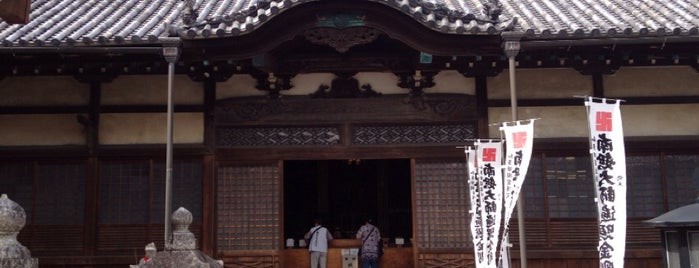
(248, 201)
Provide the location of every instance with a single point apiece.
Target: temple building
(288, 110)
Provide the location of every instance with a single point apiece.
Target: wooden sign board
(15, 11)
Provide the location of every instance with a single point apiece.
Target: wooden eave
(281, 29)
(293, 57)
(279, 46)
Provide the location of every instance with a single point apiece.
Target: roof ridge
(82, 22)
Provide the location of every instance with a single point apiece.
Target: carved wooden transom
(342, 39)
(345, 86)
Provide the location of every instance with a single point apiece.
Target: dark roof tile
(90, 22)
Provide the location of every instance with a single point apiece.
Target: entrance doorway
(344, 192)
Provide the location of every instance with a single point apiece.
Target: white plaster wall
(151, 90)
(449, 81)
(660, 120)
(305, 84)
(652, 81)
(541, 84)
(559, 83)
(571, 121)
(239, 85)
(384, 83)
(552, 122)
(40, 129)
(135, 128)
(43, 90)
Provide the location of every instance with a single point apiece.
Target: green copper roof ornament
(340, 19)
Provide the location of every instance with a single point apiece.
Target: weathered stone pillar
(184, 251)
(12, 220)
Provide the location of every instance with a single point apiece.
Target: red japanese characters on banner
(494, 184)
(489, 154)
(603, 121)
(485, 183)
(519, 139)
(608, 159)
(519, 142)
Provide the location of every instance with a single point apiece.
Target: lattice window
(124, 191)
(266, 136)
(60, 193)
(682, 175)
(533, 191)
(644, 186)
(49, 193)
(442, 205)
(133, 191)
(17, 181)
(186, 188)
(413, 134)
(248, 211)
(570, 187)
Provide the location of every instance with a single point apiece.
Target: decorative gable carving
(345, 86)
(387, 108)
(341, 39)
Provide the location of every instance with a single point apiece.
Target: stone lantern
(183, 252)
(12, 253)
(679, 235)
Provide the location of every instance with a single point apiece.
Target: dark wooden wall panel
(52, 240)
(250, 258)
(445, 260)
(132, 239)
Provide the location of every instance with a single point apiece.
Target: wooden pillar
(93, 116)
(597, 85)
(383, 194)
(15, 11)
(209, 115)
(208, 218)
(91, 210)
(92, 177)
(208, 221)
(482, 104)
(322, 189)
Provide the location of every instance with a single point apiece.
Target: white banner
(519, 141)
(476, 198)
(609, 168)
(489, 163)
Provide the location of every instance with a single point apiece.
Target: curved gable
(134, 22)
(340, 25)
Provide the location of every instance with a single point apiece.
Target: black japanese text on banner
(476, 198)
(519, 142)
(608, 158)
(489, 162)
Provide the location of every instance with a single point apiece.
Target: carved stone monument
(12, 253)
(183, 252)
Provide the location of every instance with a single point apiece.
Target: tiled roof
(122, 22)
(92, 22)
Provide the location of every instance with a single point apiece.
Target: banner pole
(511, 47)
(170, 53)
(592, 161)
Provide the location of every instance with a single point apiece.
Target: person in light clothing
(318, 237)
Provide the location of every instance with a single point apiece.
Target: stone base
(12, 219)
(183, 252)
(180, 258)
(19, 263)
